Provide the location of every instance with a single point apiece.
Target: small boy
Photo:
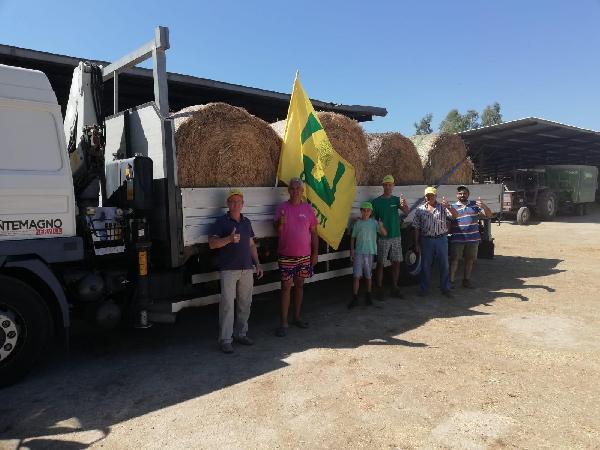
(363, 245)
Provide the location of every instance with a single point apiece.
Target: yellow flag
(330, 181)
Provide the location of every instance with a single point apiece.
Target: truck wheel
(546, 205)
(523, 215)
(25, 328)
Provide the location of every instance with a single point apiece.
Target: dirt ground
(514, 363)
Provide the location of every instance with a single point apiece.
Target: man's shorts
(295, 267)
(389, 249)
(363, 266)
(467, 250)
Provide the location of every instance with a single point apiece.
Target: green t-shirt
(386, 210)
(365, 233)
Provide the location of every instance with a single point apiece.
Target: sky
(535, 57)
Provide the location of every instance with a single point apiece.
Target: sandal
(300, 323)
(281, 332)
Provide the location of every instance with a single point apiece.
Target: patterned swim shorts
(295, 266)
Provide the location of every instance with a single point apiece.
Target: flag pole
(286, 125)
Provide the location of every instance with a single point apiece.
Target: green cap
(366, 205)
(388, 179)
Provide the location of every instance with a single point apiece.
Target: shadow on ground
(109, 378)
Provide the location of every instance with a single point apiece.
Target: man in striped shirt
(465, 238)
(431, 238)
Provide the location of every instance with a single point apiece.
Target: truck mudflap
(43, 272)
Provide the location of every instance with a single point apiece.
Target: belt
(435, 237)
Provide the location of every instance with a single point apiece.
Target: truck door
(36, 188)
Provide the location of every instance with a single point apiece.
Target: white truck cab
(36, 187)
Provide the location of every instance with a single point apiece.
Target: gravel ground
(514, 363)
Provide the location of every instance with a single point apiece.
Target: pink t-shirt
(294, 239)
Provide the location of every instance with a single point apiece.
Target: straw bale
(347, 138)
(393, 154)
(219, 145)
(439, 153)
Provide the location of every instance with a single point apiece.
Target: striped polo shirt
(465, 228)
(432, 223)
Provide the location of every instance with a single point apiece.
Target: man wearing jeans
(431, 238)
(232, 234)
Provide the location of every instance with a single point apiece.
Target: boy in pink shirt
(296, 224)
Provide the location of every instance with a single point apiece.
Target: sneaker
(447, 294)
(226, 347)
(353, 302)
(467, 284)
(396, 293)
(453, 285)
(244, 340)
(368, 299)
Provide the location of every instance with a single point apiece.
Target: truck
(574, 185)
(549, 190)
(93, 222)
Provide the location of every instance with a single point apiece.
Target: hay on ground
(347, 138)
(439, 153)
(219, 145)
(393, 154)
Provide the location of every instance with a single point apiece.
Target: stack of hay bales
(393, 154)
(219, 145)
(347, 138)
(439, 153)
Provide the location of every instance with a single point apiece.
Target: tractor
(526, 193)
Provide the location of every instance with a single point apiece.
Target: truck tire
(523, 215)
(546, 205)
(25, 328)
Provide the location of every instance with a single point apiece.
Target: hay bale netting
(347, 138)
(393, 154)
(439, 153)
(219, 145)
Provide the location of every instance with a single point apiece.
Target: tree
(470, 120)
(455, 122)
(424, 126)
(491, 115)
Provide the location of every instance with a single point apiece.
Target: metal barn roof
(529, 142)
(135, 88)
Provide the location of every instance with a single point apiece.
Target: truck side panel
(201, 206)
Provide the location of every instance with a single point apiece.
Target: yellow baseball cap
(233, 192)
(430, 190)
(388, 179)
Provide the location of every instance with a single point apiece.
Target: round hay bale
(439, 153)
(347, 138)
(393, 154)
(219, 145)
